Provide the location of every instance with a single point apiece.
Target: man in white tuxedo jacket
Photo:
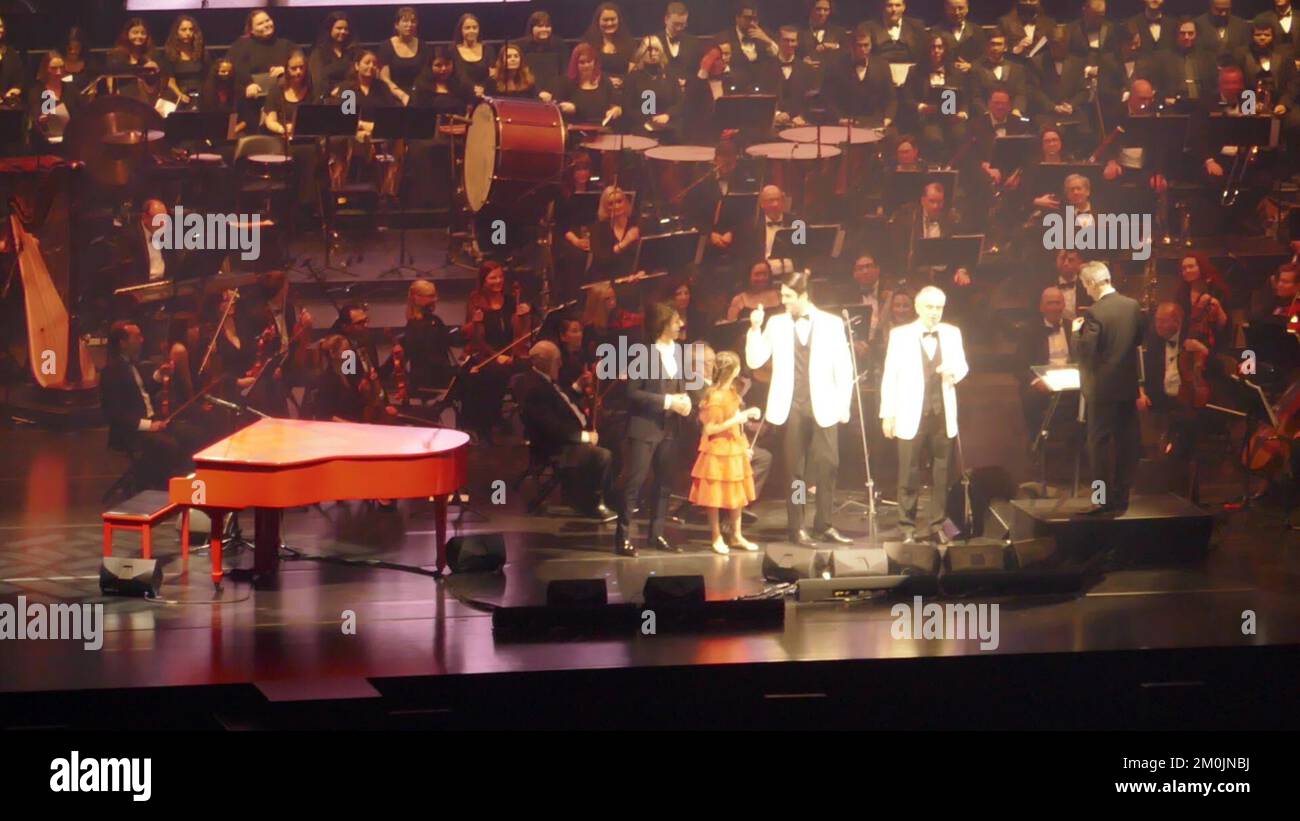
(918, 405)
(812, 383)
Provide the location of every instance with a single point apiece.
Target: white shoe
(721, 548)
(745, 543)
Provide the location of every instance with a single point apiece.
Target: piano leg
(266, 543)
(218, 518)
(440, 528)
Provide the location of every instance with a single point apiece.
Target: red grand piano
(275, 464)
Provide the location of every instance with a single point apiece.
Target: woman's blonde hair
(606, 196)
(420, 287)
(596, 311)
(726, 365)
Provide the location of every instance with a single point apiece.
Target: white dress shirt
(1173, 382)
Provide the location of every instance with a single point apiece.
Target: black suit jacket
(910, 47)
(1204, 68)
(549, 422)
(1236, 34)
(1168, 32)
(1153, 369)
(647, 420)
(1015, 79)
(1281, 68)
(833, 34)
(687, 62)
(972, 46)
(872, 97)
(1279, 36)
(1107, 349)
(916, 90)
(791, 94)
(1034, 350)
(1013, 27)
(1078, 37)
(122, 403)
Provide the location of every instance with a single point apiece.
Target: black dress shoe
(832, 535)
(801, 538)
(660, 543)
(622, 547)
(600, 513)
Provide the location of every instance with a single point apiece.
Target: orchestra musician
(472, 59)
(544, 53)
(280, 112)
(559, 430)
(614, 237)
(50, 105)
(965, 42)
(272, 333)
(775, 216)
(1201, 297)
(728, 233)
(895, 37)
(650, 79)
(1220, 30)
(588, 97)
(1046, 341)
(1068, 264)
(927, 218)
(612, 42)
(494, 319)
(791, 78)
(438, 89)
(184, 59)
(1276, 303)
(810, 394)
(760, 291)
(862, 91)
(135, 421)
(259, 58)
(332, 57)
(427, 340)
(682, 48)
(1174, 385)
(403, 56)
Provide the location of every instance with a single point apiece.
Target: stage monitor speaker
(130, 577)
(871, 561)
(482, 553)
(790, 563)
(1035, 553)
(912, 558)
(987, 485)
(577, 593)
(975, 556)
(673, 591)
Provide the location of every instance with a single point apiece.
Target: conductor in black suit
(657, 403)
(557, 429)
(131, 404)
(1106, 342)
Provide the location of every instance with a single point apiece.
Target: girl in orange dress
(722, 478)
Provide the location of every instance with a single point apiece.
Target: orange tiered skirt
(722, 476)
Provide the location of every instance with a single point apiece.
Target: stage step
(1156, 531)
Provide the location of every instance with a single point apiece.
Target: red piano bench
(140, 513)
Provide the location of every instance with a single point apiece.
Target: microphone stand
(869, 507)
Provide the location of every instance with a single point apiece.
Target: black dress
(472, 74)
(427, 343)
(605, 263)
(403, 70)
(188, 74)
(547, 61)
(591, 103)
(667, 100)
(327, 69)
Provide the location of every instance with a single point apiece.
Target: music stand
(906, 186)
(319, 120)
(402, 123)
(740, 209)
(727, 335)
(962, 251)
(820, 242)
(1159, 135)
(12, 121)
(212, 127)
(1011, 152)
(1244, 132)
(669, 252)
(1059, 380)
(751, 113)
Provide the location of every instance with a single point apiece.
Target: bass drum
(514, 155)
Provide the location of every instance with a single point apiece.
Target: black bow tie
(930, 335)
(1171, 343)
(775, 222)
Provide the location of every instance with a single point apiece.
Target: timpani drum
(514, 154)
(622, 158)
(675, 167)
(857, 143)
(798, 168)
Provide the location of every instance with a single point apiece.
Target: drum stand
(404, 261)
(464, 241)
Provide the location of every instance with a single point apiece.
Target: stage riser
(1139, 539)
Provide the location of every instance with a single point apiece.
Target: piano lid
(272, 443)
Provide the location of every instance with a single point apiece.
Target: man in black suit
(1264, 59)
(1068, 264)
(1025, 26)
(1106, 342)
(823, 41)
(728, 235)
(790, 78)
(657, 401)
(966, 40)
(1092, 32)
(141, 260)
(863, 90)
(1162, 396)
(1135, 64)
(131, 407)
(1045, 342)
(1285, 23)
(682, 49)
(993, 72)
(926, 218)
(895, 37)
(751, 46)
(1156, 29)
(557, 429)
(1192, 69)
(773, 217)
(1221, 31)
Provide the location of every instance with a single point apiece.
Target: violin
(1193, 390)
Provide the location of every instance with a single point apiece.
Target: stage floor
(289, 639)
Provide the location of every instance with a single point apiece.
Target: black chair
(545, 473)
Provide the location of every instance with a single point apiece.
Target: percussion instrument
(857, 143)
(114, 136)
(625, 169)
(514, 154)
(674, 167)
(267, 162)
(797, 168)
